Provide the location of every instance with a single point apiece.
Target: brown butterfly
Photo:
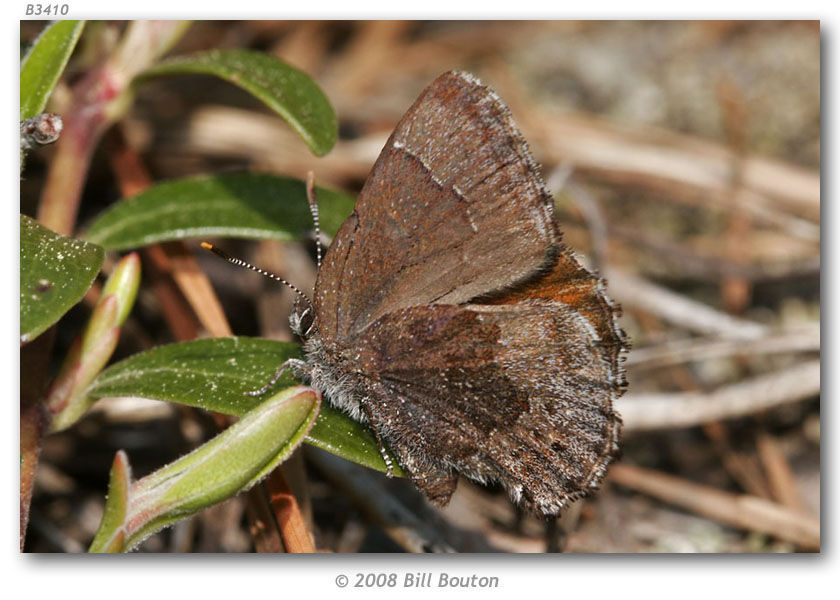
(451, 319)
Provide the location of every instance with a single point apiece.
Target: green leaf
(289, 92)
(66, 398)
(55, 272)
(213, 374)
(43, 64)
(230, 463)
(110, 537)
(246, 205)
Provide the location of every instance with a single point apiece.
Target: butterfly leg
(382, 450)
(295, 364)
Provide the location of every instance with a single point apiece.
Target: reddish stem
(84, 124)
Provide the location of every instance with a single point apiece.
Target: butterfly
(449, 317)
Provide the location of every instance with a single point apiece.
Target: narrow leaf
(228, 464)
(289, 92)
(55, 272)
(110, 537)
(44, 63)
(245, 205)
(92, 349)
(213, 374)
(123, 283)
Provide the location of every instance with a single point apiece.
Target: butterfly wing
(517, 386)
(568, 282)
(518, 393)
(454, 207)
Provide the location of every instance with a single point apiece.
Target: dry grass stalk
(783, 485)
(296, 535)
(743, 511)
(636, 293)
(176, 311)
(736, 290)
(196, 288)
(743, 467)
(804, 338)
(746, 397)
(262, 525)
(687, 168)
(772, 255)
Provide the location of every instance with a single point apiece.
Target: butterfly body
(450, 318)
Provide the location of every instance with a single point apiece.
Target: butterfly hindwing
(454, 387)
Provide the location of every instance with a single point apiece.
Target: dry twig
(686, 169)
(296, 535)
(664, 411)
(742, 466)
(798, 339)
(639, 294)
(780, 476)
(746, 512)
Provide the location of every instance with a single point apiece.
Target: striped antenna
(241, 263)
(313, 208)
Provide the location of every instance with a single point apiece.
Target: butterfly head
(302, 321)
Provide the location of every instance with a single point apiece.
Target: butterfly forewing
(453, 208)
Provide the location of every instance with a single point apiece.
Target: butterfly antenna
(313, 208)
(241, 263)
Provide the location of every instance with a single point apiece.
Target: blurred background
(685, 160)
